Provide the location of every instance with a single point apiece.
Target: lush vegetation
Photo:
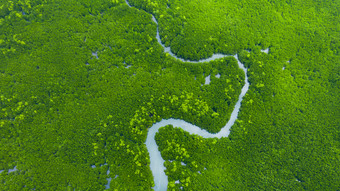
(196, 29)
(82, 81)
(286, 136)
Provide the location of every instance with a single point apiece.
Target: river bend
(156, 160)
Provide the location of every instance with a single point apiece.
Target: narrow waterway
(156, 160)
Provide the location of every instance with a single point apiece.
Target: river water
(156, 160)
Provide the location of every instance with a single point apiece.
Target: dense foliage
(196, 29)
(286, 136)
(82, 81)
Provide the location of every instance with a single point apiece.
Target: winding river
(156, 160)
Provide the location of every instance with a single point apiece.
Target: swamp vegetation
(81, 81)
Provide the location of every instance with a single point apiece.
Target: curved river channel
(156, 160)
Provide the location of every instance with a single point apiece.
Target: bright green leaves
(18, 41)
(62, 111)
(177, 150)
(203, 167)
(129, 162)
(229, 90)
(14, 110)
(146, 115)
(95, 147)
(259, 85)
(193, 106)
(142, 119)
